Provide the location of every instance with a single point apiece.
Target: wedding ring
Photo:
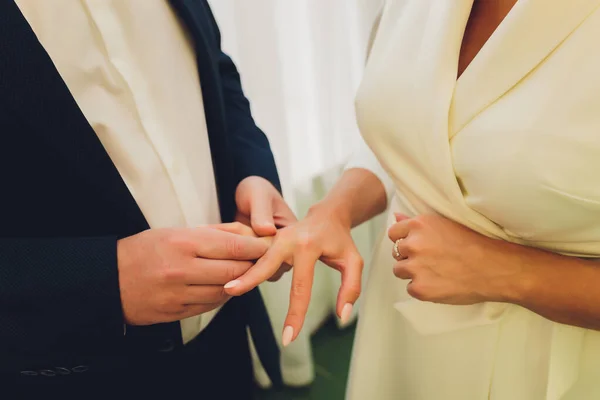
(397, 255)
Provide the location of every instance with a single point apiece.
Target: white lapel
(531, 31)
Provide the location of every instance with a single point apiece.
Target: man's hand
(262, 207)
(167, 275)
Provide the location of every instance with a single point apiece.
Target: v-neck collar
(531, 31)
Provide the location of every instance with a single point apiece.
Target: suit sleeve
(250, 145)
(60, 302)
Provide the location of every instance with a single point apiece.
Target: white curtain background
(301, 63)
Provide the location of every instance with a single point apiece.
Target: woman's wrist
(332, 209)
(357, 197)
(514, 272)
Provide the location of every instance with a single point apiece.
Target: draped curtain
(301, 63)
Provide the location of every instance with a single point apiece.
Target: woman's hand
(321, 235)
(451, 264)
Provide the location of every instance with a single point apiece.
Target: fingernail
(346, 313)
(232, 284)
(288, 334)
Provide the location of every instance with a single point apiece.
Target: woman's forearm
(357, 197)
(562, 289)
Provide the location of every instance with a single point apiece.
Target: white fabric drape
(301, 62)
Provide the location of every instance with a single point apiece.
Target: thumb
(261, 215)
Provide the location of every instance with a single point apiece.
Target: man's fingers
(283, 215)
(242, 218)
(261, 214)
(204, 294)
(265, 268)
(237, 228)
(214, 272)
(302, 281)
(219, 245)
(351, 284)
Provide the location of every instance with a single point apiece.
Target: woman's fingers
(401, 249)
(400, 217)
(239, 228)
(265, 268)
(404, 270)
(399, 230)
(302, 281)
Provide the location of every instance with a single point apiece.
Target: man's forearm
(58, 295)
(356, 198)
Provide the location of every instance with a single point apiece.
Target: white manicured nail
(346, 313)
(288, 334)
(232, 284)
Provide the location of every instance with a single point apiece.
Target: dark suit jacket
(63, 205)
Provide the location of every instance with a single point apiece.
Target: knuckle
(413, 247)
(417, 222)
(293, 316)
(300, 289)
(173, 238)
(286, 235)
(305, 241)
(231, 271)
(235, 247)
(417, 291)
(392, 232)
(170, 275)
(354, 290)
(401, 271)
(169, 303)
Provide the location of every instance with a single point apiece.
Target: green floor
(332, 349)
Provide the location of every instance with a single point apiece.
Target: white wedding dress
(511, 150)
